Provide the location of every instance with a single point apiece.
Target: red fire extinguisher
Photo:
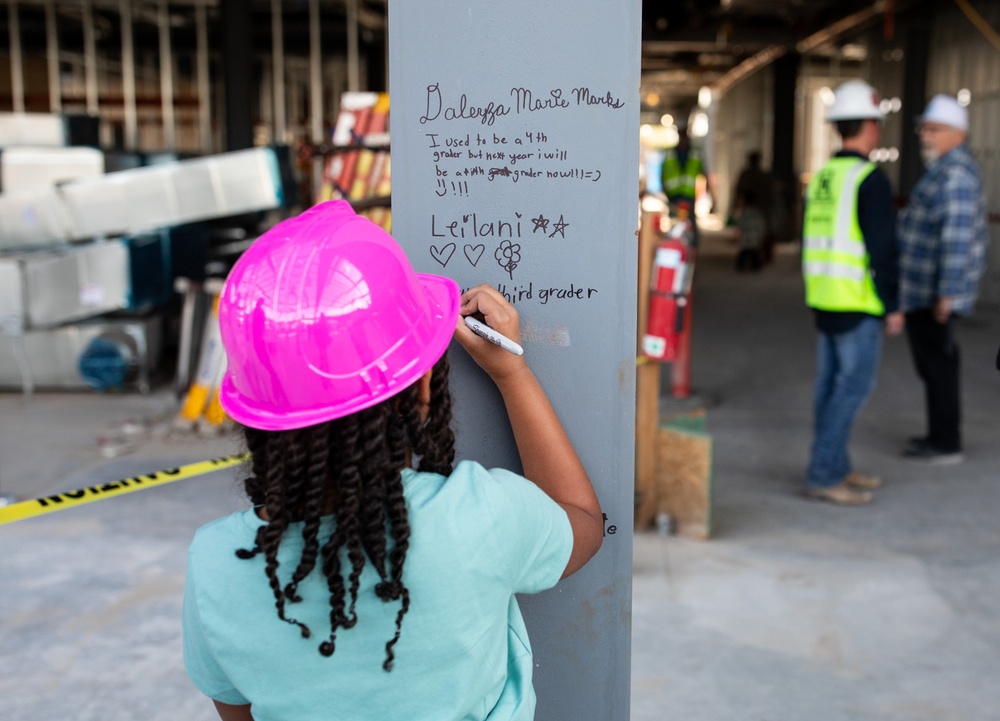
(668, 296)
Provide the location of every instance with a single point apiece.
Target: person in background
(754, 179)
(942, 238)
(682, 165)
(751, 225)
(373, 578)
(849, 262)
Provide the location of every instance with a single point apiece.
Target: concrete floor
(794, 610)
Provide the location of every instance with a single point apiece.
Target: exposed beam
(840, 28)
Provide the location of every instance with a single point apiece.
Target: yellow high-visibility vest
(835, 261)
(677, 181)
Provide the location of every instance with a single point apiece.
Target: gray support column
(90, 58)
(166, 78)
(278, 72)
(917, 39)
(52, 53)
(204, 86)
(128, 76)
(353, 63)
(315, 76)
(16, 65)
(238, 73)
(515, 144)
(786, 75)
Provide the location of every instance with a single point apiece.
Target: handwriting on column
(510, 139)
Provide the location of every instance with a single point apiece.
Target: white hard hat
(855, 100)
(946, 110)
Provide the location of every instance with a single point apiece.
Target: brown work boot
(841, 494)
(860, 480)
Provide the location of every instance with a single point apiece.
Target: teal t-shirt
(477, 537)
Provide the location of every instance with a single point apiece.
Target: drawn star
(541, 223)
(559, 227)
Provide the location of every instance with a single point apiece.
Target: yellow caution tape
(71, 499)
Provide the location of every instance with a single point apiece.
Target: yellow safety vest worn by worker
(677, 181)
(835, 260)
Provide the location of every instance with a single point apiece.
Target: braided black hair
(349, 467)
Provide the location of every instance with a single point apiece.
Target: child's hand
(485, 303)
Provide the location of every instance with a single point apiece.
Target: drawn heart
(557, 93)
(474, 253)
(443, 255)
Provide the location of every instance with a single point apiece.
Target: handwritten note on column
(480, 145)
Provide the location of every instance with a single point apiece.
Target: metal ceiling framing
(95, 33)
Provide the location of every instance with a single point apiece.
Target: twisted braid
(269, 535)
(394, 588)
(349, 467)
(346, 486)
(352, 490)
(314, 452)
(439, 438)
(255, 485)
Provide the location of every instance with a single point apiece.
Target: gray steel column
(315, 75)
(16, 67)
(278, 71)
(166, 78)
(52, 53)
(786, 74)
(916, 39)
(353, 61)
(204, 88)
(90, 57)
(578, 103)
(238, 73)
(128, 77)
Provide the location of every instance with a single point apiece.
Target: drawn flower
(508, 253)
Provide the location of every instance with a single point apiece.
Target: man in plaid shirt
(942, 238)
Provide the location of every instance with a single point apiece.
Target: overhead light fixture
(964, 97)
(704, 96)
(699, 125)
(667, 120)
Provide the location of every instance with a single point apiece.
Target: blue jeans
(847, 365)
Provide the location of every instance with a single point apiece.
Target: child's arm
(547, 455)
(228, 712)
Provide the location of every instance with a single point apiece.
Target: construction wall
(962, 58)
(743, 121)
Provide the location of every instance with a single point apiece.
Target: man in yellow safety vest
(850, 265)
(682, 165)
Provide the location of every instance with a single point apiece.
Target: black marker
(484, 331)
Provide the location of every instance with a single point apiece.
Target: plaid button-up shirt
(943, 236)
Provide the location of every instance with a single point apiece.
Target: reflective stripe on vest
(681, 181)
(835, 261)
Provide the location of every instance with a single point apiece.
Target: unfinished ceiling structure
(688, 45)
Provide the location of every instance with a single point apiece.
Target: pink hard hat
(324, 316)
